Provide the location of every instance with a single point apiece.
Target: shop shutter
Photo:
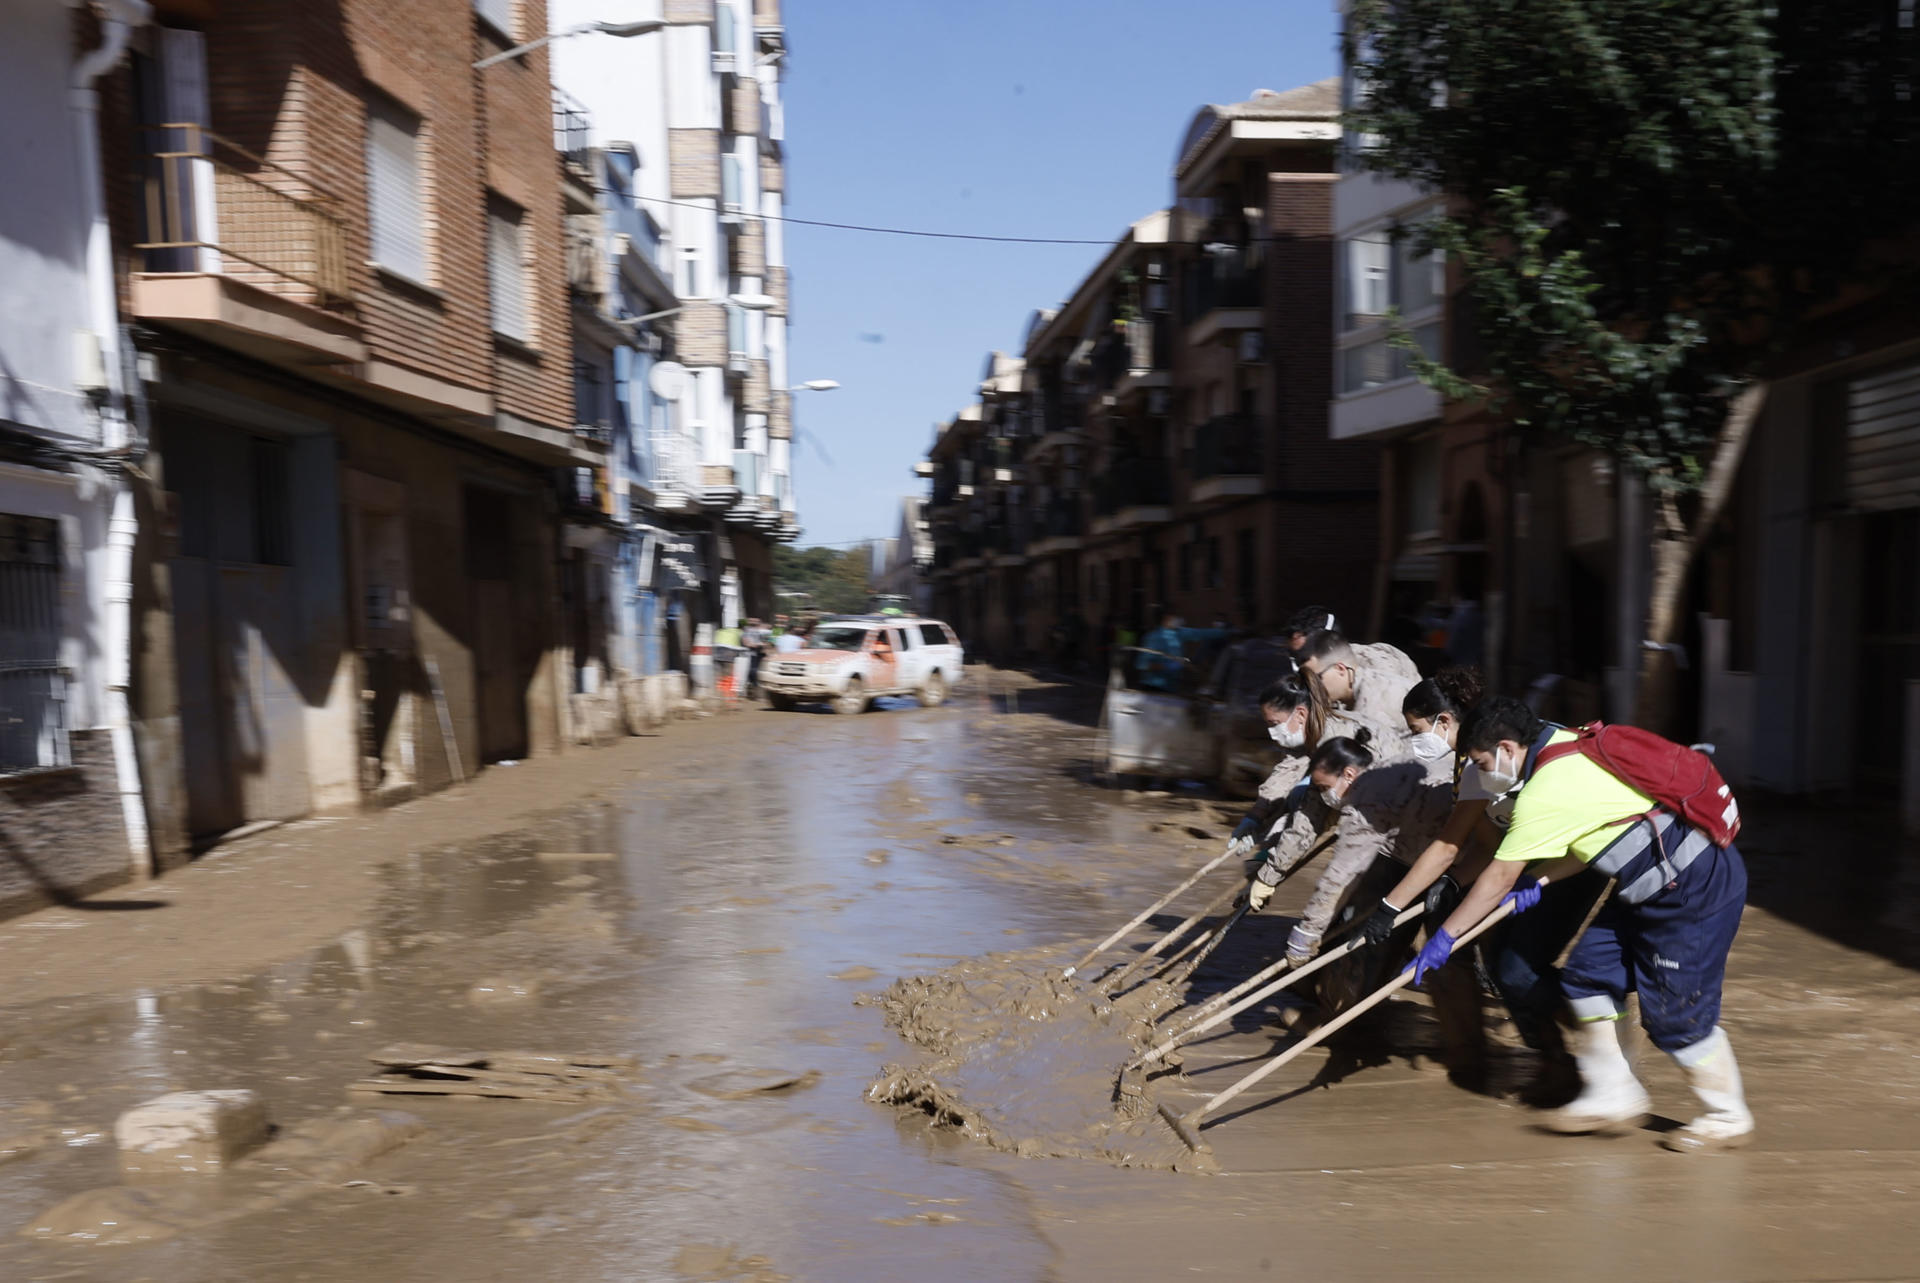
(1883, 439)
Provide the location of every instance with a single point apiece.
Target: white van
(850, 661)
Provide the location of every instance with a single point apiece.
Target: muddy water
(714, 921)
(750, 896)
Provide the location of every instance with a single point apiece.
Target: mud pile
(1026, 1061)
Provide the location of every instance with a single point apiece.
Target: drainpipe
(118, 18)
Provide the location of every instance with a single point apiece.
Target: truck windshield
(841, 638)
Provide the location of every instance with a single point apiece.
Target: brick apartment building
(1162, 440)
(340, 248)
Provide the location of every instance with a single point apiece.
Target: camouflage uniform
(1383, 676)
(1394, 810)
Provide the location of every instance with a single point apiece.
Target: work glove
(1246, 835)
(1522, 898)
(1260, 889)
(1380, 925)
(1432, 956)
(1302, 944)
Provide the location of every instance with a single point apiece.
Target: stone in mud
(190, 1131)
(317, 1154)
(503, 991)
(740, 1084)
(330, 1149)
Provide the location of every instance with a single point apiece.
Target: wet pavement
(713, 918)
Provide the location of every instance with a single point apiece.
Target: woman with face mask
(1298, 716)
(1379, 806)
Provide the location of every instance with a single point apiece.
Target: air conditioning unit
(1252, 349)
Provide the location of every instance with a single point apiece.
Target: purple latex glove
(1522, 898)
(1433, 955)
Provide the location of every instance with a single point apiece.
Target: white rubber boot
(1611, 1098)
(1714, 1075)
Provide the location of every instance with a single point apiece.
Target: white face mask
(1428, 745)
(1286, 736)
(1501, 778)
(1333, 798)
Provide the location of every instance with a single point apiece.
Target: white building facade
(690, 116)
(70, 798)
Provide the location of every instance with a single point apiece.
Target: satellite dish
(668, 380)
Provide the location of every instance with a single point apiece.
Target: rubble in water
(1026, 1061)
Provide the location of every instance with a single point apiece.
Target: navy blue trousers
(1521, 952)
(1671, 949)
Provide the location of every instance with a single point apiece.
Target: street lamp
(646, 26)
(752, 302)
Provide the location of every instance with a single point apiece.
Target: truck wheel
(932, 692)
(853, 699)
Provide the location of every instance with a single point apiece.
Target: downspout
(118, 18)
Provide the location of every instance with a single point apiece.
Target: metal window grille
(33, 684)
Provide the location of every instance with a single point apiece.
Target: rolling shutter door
(1883, 439)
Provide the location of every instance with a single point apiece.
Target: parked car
(1210, 729)
(850, 661)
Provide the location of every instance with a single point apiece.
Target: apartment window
(1186, 567)
(1420, 279)
(33, 685)
(497, 14)
(1213, 562)
(507, 269)
(730, 186)
(396, 212)
(1369, 278)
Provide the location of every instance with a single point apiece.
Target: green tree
(835, 579)
(1647, 199)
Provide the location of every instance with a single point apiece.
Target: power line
(895, 231)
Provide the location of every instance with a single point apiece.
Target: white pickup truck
(849, 662)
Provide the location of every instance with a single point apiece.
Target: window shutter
(395, 214)
(1883, 439)
(506, 271)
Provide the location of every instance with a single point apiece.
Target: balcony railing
(1064, 519)
(746, 471)
(572, 126)
(586, 271)
(624, 218)
(1220, 282)
(1131, 483)
(1229, 445)
(212, 206)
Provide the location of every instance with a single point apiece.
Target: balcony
(1132, 494)
(1223, 294)
(244, 253)
(1007, 541)
(1228, 458)
(572, 127)
(1063, 527)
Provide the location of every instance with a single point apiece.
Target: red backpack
(1683, 780)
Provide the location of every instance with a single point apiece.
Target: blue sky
(1004, 117)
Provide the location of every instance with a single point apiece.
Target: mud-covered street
(701, 910)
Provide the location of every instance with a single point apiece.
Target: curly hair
(1451, 690)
